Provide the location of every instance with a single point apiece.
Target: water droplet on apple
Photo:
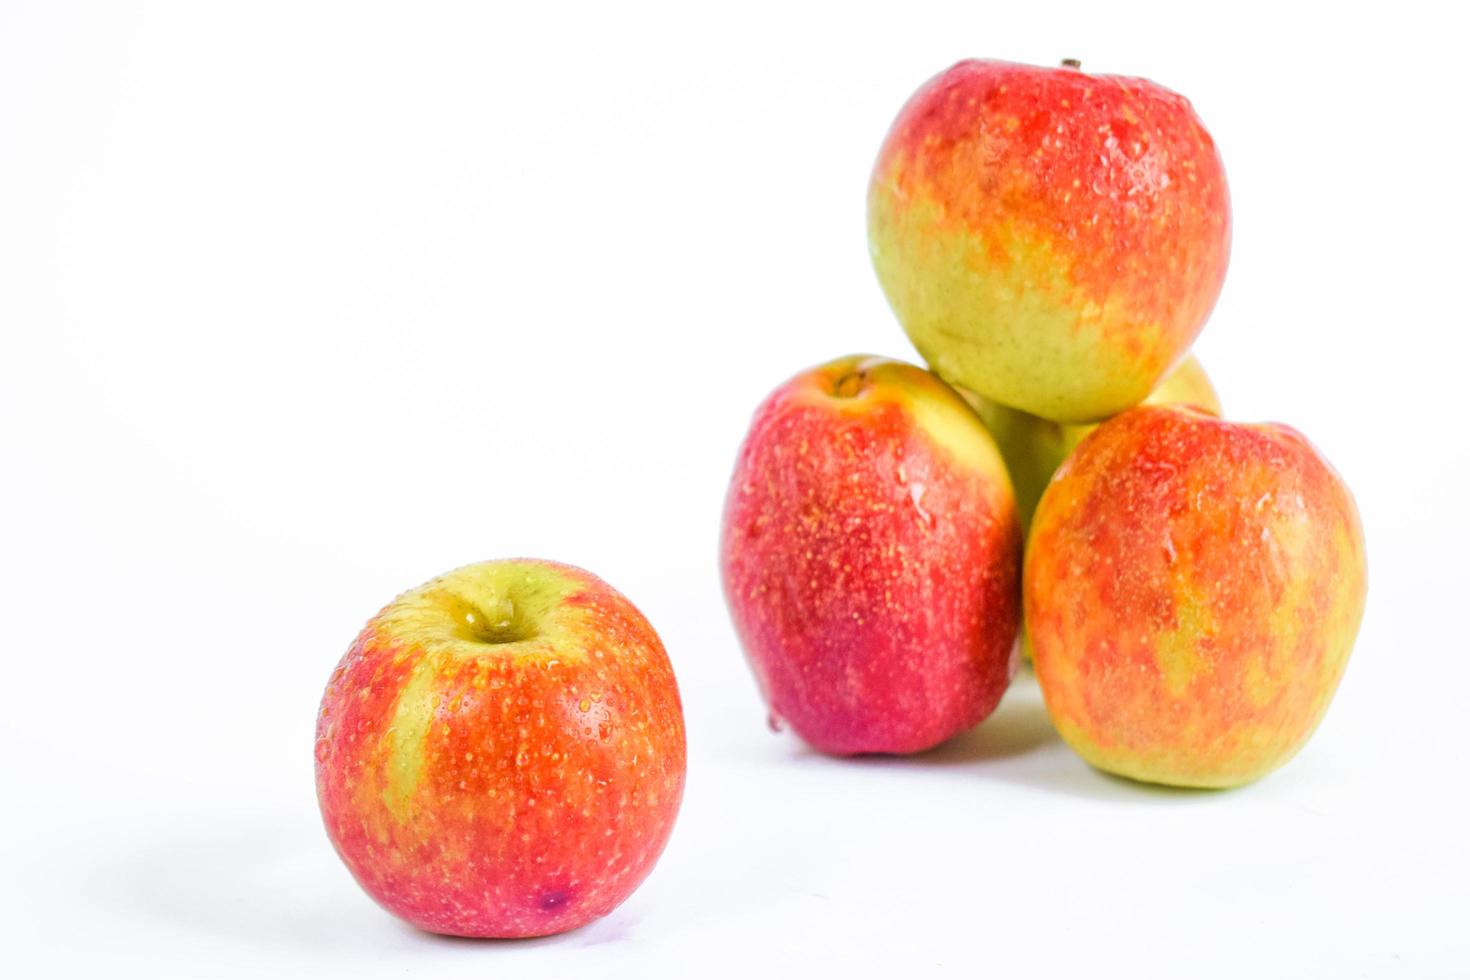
(916, 497)
(553, 900)
(775, 722)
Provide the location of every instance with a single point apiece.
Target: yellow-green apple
(1033, 447)
(501, 751)
(870, 555)
(1193, 588)
(1050, 239)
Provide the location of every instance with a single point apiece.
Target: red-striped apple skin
(870, 557)
(1193, 589)
(1050, 239)
(501, 752)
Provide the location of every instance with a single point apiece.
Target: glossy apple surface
(1050, 239)
(870, 556)
(1193, 589)
(501, 752)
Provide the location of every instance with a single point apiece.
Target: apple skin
(871, 558)
(1049, 239)
(1193, 589)
(1033, 447)
(501, 752)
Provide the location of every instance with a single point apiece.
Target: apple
(1049, 239)
(1033, 447)
(1193, 588)
(501, 752)
(871, 558)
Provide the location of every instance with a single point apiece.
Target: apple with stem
(870, 556)
(1050, 239)
(501, 752)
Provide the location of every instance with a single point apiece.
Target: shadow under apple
(1018, 744)
(274, 884)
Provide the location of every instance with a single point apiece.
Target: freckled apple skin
(501, 752)
(871, 558)
(1049, 239)
(1193, 588)
(1033, 447)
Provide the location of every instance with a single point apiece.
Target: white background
(304, 304)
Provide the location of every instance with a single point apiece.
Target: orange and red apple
(870, 556)
(1050, 239)
(1193, 588)
(501, 752)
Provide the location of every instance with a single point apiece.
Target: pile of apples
(1190, 587)
(501, 752)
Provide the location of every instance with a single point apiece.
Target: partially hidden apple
(870, 556)
(1050, 239)
(501, 752)
(1193, 588)
(1033, 447)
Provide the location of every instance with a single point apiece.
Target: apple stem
(850, 384)
(1072, 63)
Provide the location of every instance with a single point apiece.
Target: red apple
(871, 556)
(1050, 239)
(501, 751)
(1193, 590)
